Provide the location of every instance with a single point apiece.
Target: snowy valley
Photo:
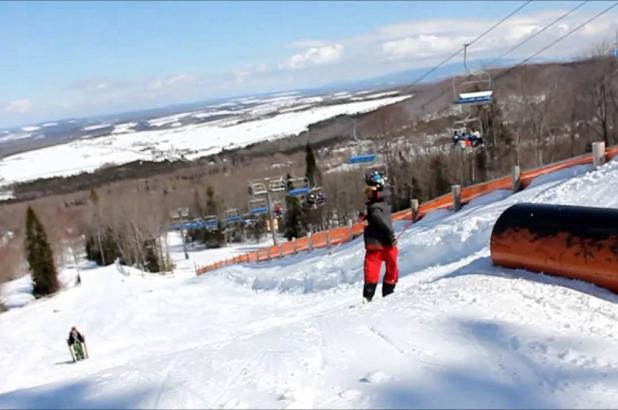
(182, 136)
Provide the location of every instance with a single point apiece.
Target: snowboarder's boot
(387, 289)
(369, 290)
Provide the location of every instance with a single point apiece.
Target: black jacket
(379, 231)
(77, 337)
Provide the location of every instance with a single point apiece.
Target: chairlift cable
(498, 23)
(455, 54)
(538, 52)
(547, 27)
(559, 39)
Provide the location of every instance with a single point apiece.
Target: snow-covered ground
(268, 119)
(291, 333)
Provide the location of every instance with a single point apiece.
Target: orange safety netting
(340, 235)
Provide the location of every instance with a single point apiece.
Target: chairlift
(277, 185)
(298, 186)
(232, 216)
(476, 89)
(211, 222)
(463, 137)
(249, 220)
(362, 159)
(314, 199)
(257, 188)
(258, 206)
(179, 213)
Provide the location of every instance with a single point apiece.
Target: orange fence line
(339, 235)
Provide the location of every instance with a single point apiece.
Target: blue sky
(61, 59)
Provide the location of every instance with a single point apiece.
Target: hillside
(291, 333)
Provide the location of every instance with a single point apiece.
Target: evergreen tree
(481, 165)
(313, 172)
(294, 215)
(40, 257)
(440, 181)
(293, 218)
(258, 229)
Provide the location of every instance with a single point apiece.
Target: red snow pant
(373, 263)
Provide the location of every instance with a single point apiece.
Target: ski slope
(291, 333)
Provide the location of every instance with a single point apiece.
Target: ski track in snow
(458, 332)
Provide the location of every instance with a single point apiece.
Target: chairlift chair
(249, 220)
(196, 223)
(232, 216)
(258, 206)
(314, 199)
(468, 93)
(257, 188)
(298, 186)
(476, 89)
(362, 159)
(211, 222)
(277, 185)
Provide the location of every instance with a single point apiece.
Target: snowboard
(78, 351)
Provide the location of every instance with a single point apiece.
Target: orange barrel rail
(569, 241)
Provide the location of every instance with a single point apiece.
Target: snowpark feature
(457, 333)
(577, 242)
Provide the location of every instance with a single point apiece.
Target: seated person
(456, 137)
(477, 138)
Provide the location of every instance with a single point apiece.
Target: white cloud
(326, 54)
(171, 81)
(307, 43)
(20, 106)
(421, 46)
(101, 86)
(427, 40)
(251, 70)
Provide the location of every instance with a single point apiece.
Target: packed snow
(30, 128)
(124, 127)
(192, 141)
(292, 333)
(96, 127)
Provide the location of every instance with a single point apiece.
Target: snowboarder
(77, 345)
(380, 240)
